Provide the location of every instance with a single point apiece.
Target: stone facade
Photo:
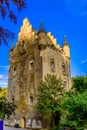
(36, 54)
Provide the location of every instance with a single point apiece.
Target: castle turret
(42, 36)
(66, 48)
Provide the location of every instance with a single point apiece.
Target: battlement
(29, 37)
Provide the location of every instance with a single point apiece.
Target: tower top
(65, 41)
(41, 25)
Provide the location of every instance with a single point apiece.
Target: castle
(36, 54)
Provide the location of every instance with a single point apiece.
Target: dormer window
(31, 66)
(52, 64)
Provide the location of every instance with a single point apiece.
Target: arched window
(31, 66)
(63, 67)
(52, 64)
(14, 70)
(31, 98)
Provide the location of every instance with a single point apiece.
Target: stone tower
(36, 54)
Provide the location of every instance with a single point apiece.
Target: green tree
(80, 83)
(6, 108)
(3, 93)
(75, 105)
(75, 111)
(50, 94)
(9, 108)
(6, 10)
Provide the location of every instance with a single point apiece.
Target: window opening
(63, 67)
(31, 65)
(31, 98)
(52, 64)
(14, 70)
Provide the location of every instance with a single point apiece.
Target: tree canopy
(75, 105)
(3, 93)
(80, 83)
(50, 94)
(5, 107)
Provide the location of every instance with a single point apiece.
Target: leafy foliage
(80, 84)
(3, 92)
(7, 10)
(9, 108)
(5, 34)
(75, 105)
(5, 107)
(50, 94)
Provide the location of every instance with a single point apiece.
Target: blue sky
(61, 17)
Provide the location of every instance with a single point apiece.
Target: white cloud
(6, 77)
(4, 67)
(3, 76)
(3, 83)
(3, 80)
(83, 61)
